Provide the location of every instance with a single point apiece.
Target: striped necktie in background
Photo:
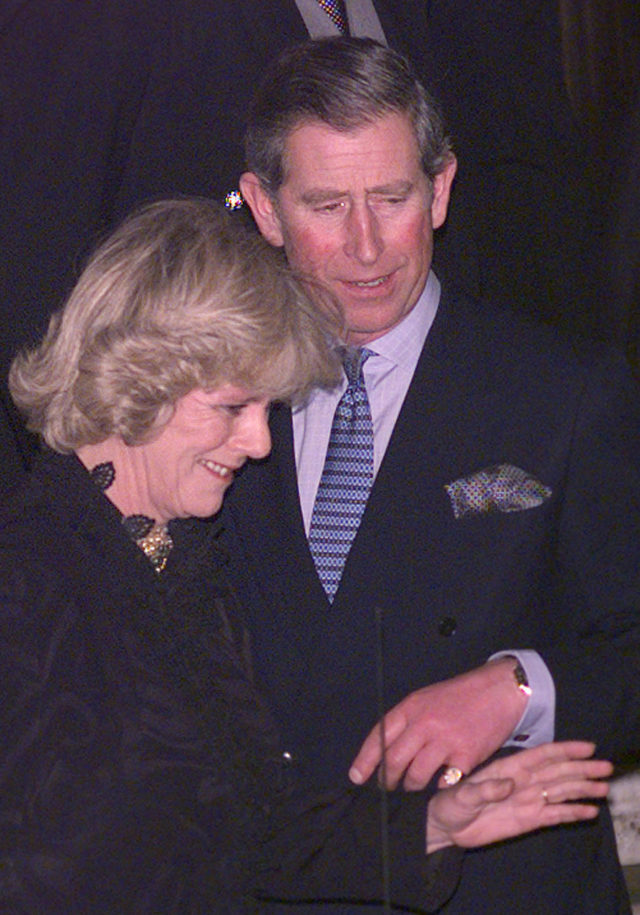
(337, 13)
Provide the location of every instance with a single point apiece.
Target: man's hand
(458, 722)
(518, 794)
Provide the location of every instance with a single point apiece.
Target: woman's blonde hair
(179, 297)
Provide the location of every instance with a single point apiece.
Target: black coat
(140, 771)
(132, 745)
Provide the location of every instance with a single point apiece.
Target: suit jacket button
(447, 626)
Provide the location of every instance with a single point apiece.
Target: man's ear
(263, 208)
(442, 191)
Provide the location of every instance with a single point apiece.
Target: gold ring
(452, 775)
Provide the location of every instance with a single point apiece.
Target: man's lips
(369, 284)
(375, 283)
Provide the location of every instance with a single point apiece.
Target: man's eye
(329, 207)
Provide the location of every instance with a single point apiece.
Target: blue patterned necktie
(337, 14)
(346, 477)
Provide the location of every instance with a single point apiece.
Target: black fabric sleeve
(331, 849)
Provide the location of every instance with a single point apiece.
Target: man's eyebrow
(315, 196)
(320, 195)
(400, 188)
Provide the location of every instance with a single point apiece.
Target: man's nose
(364, 239)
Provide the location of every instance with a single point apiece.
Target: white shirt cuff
(537, 724)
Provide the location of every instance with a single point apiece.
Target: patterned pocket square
(501, 488)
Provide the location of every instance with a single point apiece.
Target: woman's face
(187, 469)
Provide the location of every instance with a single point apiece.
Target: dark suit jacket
(561, 578)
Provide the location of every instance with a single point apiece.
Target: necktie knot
(353, 361)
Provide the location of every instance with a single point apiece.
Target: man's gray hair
(345, 83)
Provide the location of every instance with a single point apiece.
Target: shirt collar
(403, 344)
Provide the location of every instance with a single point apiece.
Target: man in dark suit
(490, 593)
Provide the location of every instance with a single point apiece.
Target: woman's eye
(232, 409)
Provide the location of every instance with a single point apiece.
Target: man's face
(356, 214)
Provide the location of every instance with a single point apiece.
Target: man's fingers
(411, 757)
(406, 752)
(448, 722)
(370, 753)
(421, 769)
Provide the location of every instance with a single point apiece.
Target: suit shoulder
(507, 339)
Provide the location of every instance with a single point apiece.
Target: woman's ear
(263, 208)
